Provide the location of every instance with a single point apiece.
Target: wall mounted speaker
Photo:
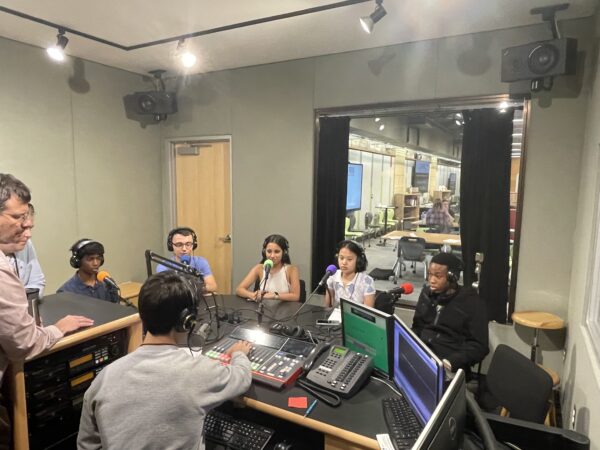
(154, 102)
(539, 60)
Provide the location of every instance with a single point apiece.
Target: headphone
(454, 274)
(76, 249)
(295, 332)
(275, 239)
(189, 314)
(181, 230)
(354, 247)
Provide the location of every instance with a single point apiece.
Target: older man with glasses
(182, 242)
(20, 337)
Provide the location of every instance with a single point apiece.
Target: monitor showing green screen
(368, 331)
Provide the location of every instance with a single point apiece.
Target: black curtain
(329, 204)
(484, 203)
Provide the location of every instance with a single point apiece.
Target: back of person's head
(282, 242)
(9, 186)
(437, 204)
(358, 250)
(163, 299)
(453, 263)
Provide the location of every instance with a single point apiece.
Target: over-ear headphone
(295, 332)
(181, 230)
(356, 248)
(454, 274)
(189, 314)
(275, 239)
(76, 249)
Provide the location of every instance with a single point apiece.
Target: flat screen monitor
(445, 429)
(354, 191)
(422, 167)
(418, 373)
(421, 175)
(369, 331)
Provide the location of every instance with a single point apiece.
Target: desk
(108, 317)
(130, 291)
(430, 238)
(350, 426)
(421, 223)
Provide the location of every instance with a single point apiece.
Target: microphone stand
(181, 268)
(261, 306)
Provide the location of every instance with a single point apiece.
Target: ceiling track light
(57, 52)
(185, 57)
(368, 22)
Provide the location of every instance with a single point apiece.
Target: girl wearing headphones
(350, 281)
(284, 279)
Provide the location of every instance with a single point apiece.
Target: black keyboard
(235, 433)
(403, 426)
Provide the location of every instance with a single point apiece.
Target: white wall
(92, 172)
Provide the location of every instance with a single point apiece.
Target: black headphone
(454, 274)
(354, 247)
(181, 230)
(275, 239)
(295, 332)
(189, 314)
(76, 249)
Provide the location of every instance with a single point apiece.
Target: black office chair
(410, 249)
(520, 386)
(302, 291)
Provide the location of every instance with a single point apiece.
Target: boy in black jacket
(451, 319)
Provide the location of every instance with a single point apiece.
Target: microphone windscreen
(331, 268)
(268, 263)
(102, 275)
(408, 288)
(186, 259)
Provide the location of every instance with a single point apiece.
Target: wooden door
(203, 190)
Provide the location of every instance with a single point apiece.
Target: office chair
(302, 291)
(520, 386)
(410, 249)
(355, 235)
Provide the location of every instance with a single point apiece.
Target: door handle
(226, 238)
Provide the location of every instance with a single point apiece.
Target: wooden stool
(537, 320)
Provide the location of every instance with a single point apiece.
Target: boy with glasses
(182, 242)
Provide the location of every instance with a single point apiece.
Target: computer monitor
(369, 331)
(445, 428)
(418, 373)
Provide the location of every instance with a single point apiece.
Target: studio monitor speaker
(152, 102)
(539, 60)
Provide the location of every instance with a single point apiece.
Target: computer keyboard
(403, 426)
(235, 433)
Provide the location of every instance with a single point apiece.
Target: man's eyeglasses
(21, 218)
(183, 244)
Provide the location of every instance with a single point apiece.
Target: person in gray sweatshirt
(157, 397)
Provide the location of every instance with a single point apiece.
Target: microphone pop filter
(408, 288)
(268, 263)
(331, 268)
(186, 259)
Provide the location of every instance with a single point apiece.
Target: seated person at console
(449, 318)
(438, 218)
(178, 389)
(284, 279)
(182, 242)
(26, 264)
(350, 281)
(87, 256)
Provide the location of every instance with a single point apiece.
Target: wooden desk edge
(348, 436)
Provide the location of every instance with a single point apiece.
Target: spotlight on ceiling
(185, 57)
(57, 52)
(381, 127)
(368, 22)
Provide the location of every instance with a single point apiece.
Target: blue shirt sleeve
(201, 264)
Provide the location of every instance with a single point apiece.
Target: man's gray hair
(9, 186)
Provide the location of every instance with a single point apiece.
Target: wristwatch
(276, 295)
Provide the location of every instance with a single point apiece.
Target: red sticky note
(298, 402)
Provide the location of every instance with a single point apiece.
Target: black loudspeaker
(539, 60)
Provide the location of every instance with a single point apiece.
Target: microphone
(405, 288)
(104, 277)
(185, 259)
(331, 269)
(267, 265)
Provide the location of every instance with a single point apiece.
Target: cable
(381, 380)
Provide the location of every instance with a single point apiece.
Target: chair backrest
(411, 248)
(520, 385)
(352, 218)
(347, 225)
(368, 219)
